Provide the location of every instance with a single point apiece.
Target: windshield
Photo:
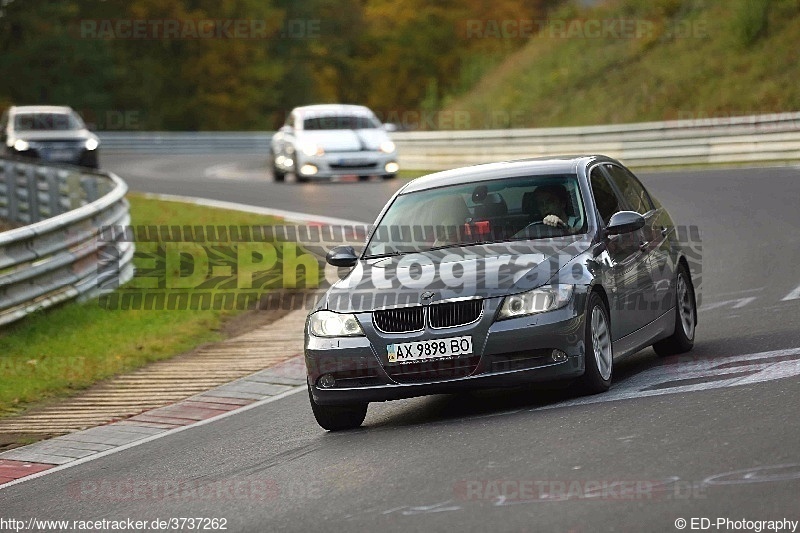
(340, 122)
(513, 209)
(46, 121)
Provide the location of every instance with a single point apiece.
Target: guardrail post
(90, 186)
(53, 192)
(33, 195)
(9, 191)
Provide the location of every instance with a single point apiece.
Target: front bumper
(338, 164)
(505, 353)
(71, 156)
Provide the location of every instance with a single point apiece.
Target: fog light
(308, 170)
(392, 167)
(558, 356)
(327, 381)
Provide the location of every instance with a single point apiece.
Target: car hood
(54, 135)
(483, 271)
(345, 140)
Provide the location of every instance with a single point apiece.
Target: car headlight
(547, 298)
(20, 145)
(311, 149)
(387, 147)
(92, 144)
(330, 324)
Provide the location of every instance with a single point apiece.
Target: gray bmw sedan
(496, 275)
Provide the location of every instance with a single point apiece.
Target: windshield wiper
(388, 254)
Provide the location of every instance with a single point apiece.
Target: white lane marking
(743, 291)
(292, 216)
(709, 373)
(794, 295)
(220, 171)
(736, 303)
(157, 436)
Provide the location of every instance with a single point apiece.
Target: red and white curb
(45, 457)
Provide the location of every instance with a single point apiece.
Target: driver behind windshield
(551, 202)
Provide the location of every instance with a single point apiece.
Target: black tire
(593, 380)
(90, 160)
(301, 179)
(389, 176)
(363, 178)
(682, 339)
(338, 417)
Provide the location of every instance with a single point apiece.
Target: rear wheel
(338, 417)
(599, 358)
(682, 339)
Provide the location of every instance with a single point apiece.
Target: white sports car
(329, 140)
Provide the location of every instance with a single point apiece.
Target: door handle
(643, 245)
(664, 231)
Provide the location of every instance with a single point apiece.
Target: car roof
(40, 109)
(504, 169)
(331, 109)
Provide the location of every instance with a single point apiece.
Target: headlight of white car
(547, 298)
(311, 149)
(92, 144)
(20, 145)
(387, 147)
(330, 324)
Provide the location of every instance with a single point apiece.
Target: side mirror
(286, 129)
(388, 126)
(624, 222)
(342, 256)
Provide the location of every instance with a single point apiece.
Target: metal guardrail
(185, 142)
(748, 139)
(59, 253)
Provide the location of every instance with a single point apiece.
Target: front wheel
(338, 417)
(682, 339)
(599, 355)
(277, 173)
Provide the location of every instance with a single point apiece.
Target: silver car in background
(55, 134)
(333, 140)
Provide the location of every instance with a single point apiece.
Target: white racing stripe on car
(289, 216)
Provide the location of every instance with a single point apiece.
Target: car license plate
(60, 155)
(431, 349)
(353, 162)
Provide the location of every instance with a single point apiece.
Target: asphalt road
(714, 434)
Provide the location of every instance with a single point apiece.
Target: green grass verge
(699, 59)
(61, 350)
(412, 174)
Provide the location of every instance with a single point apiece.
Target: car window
(340, 122)
(46, 121)
(632, 191)
(501, 210)
(605, 198)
